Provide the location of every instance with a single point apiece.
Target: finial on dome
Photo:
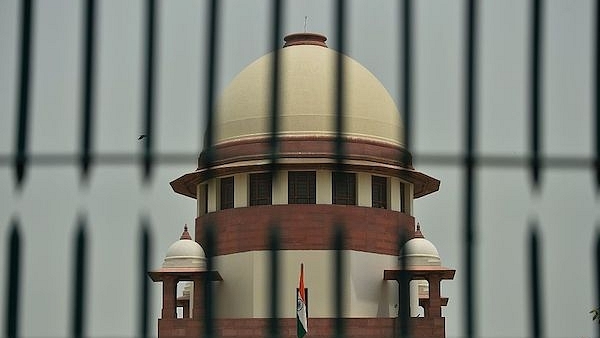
(185, 234)
(418, 233)
(305, 38)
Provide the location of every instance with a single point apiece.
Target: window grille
(302, 187)
(379, 192)
(344, 188)
(260, 189)
(227, 193)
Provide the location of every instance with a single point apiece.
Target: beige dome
(420, 252)
(185, 253)
(307, 96)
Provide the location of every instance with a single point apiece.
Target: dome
(420, 252)
(185, 253)
(240, 134)
(307, 97)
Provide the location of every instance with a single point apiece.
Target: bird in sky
(141, 136)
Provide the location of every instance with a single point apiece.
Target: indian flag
(301, 316)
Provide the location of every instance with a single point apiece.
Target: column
(435, 299)
(240, 190)
(186, 309)
(169, 310)
(364, 193)
(404, 301)
(323, 187)
(198, 301)
(279, 188)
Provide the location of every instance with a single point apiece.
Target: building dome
(307, 97)
(420, 252)
(240, 134)
(185, 253)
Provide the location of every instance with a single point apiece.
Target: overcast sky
(51, 199)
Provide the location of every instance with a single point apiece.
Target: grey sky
(567, 206)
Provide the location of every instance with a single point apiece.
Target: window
(302, 187)
(379, 192)
(203, 199)
(344, 188)
(206, 198)
(402, 197)
(260, 189)
(227, 193)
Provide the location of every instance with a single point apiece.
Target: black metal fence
(22, 160)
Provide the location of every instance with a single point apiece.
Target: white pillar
(279, 188)
(240, 190)
(414, 298)
(364, 190)
(323, 187)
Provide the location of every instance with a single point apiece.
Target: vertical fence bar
(273, 292)
(79, 280)
(210, 251)
(338, 239)
(403, 291)
(13, 275)
(210, 81)
(274, 236)
(597, 160)
(338, 281)
(148, 141)
(88, 87)
(144, 282)
(340, 20)
(535, 286)
(535, 91)
(277, 18)
(406, 45)
(597, 98)
(469, 179)
(597, 264)
(23, 112)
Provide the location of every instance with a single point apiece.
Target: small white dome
(185, 253)
(420, 252)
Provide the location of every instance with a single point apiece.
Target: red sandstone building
(372, 197)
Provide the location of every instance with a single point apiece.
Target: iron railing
(470, 161)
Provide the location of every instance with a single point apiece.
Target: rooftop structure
(372, 197)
